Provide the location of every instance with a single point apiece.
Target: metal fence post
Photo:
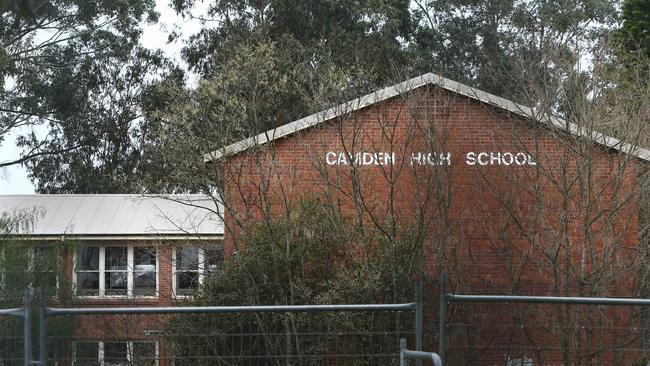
(442, 323)
(419, 315)
(42, 327)
(27, 317)
(402, 347)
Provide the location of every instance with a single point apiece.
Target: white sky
(13, 180)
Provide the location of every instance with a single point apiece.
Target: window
(187, 270)
(192, 265)
(22, 267)
(116, 271)
(88, 271)
(115, 354)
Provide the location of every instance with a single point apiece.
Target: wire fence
(365, 334)
(477, 330)
(543, 330)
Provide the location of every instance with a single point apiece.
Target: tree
(362, 34)
(482, 43)
(99, 144)
(71, 77)
(635, 31)
(263, 85)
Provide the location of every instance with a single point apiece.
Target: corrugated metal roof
(116, 214)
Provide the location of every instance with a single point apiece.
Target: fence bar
(231, 309)
(548, 299)
(442, 322)
(19, 312)
(42, 332)
(419, 319)
(27, 335)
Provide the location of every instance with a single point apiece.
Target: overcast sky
(13, 180)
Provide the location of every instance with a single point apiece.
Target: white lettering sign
(482, 158)
(499, 158)
(360, 158)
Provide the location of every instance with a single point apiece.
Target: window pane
(144, 354)
(88, 283)
(115, 353)
(144, 257)
(186, 282)
(145, 283)
(213, 259)
(116, 283)
(187, 259)
(88, 259)
(116, 258)
(144, 276)
(86, 354)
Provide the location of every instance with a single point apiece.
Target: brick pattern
(494, 228)
(123, 327)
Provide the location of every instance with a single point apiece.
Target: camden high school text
(430, 158)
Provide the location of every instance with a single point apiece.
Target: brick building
(114, 250)
(503, 201)
(506, 200)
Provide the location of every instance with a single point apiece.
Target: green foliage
(72, 75)
(367, 34)
(506, 47)
(633, 43)
(485, 44)
(98, 141)
(635, 31)
(309, 257)
(264, 84)
(285, 261)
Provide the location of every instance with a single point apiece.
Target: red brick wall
(493, 229)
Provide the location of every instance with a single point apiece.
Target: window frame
(129, 350)
(130, 269)
(201, 268)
